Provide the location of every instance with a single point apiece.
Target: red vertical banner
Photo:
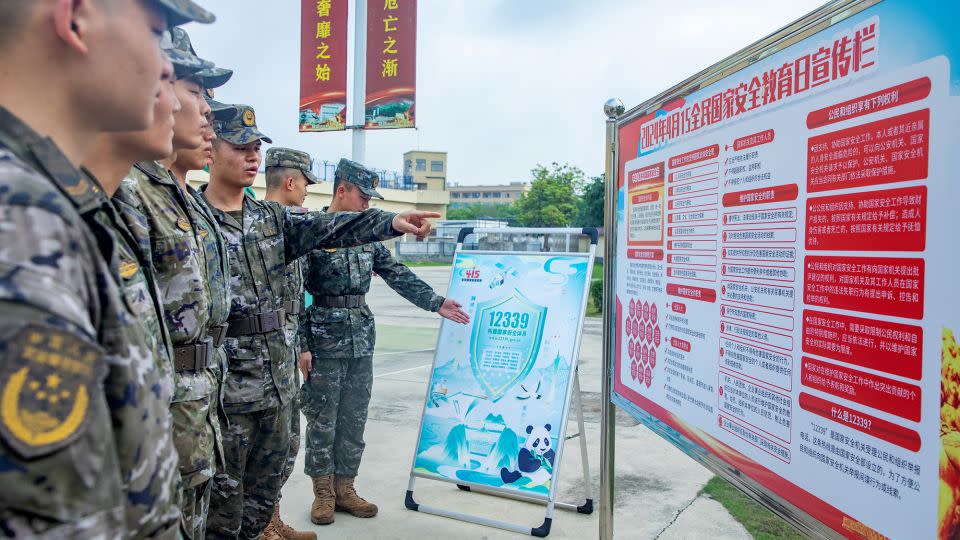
(391, 64)
(323, 65)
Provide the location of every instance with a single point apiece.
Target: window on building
(507, 195)
(421, 164)
(407, 165)
(454, 195)
(421, 186)
(496, 195)
(476, 195)
(436, 166)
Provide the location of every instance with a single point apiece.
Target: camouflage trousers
(255, 450)
(194, 507)
(334, 402)
(294, 442)
(196, 434)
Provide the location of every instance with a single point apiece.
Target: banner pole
(358, 151)
(612, 108)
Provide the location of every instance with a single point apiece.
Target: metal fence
(442, 249)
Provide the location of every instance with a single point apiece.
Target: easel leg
(587, 507)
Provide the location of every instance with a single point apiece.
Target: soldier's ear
(70, 21)
(289, 183)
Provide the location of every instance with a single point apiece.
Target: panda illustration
(535, 460)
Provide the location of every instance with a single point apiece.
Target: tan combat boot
(321, 512)
(285, 531)
(271, 533)
(349, 501)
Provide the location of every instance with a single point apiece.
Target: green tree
(552, 199)
(590, 205)
(502, 212)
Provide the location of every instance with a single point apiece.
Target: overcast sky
(502, 85)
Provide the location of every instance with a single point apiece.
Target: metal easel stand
(573, 392)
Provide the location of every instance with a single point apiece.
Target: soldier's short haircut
(337, 182)
(276, 176)
(13, 18)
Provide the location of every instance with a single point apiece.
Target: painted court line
(402, 371)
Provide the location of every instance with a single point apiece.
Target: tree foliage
(590, 211)
(502, 212)
(552, 199)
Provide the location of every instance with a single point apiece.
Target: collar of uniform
(44, 154)
(222, 217)
(156, 172)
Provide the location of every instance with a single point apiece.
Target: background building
(427, 171)
(461, 196)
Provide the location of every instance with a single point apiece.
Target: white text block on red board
(761, 254)
(772, 235)
(692, 216)
(757, 316)
(763, 409)
(756, 362)
(759, 294)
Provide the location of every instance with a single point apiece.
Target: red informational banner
(803, 213)
(323, 65)
(391, 64)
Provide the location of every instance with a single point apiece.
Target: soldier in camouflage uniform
(288, 173)
(85, 435)
(341, 333)
(189, 257)
(262, 237)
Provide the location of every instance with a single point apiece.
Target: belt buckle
(218, 333)
(269, 321)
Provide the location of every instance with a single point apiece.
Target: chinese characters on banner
(391, 63)
(323, 65)
(786, 291)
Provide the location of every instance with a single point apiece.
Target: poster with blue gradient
(499, 386)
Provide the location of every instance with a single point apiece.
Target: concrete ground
(657, 486)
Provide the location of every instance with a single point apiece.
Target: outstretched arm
(410, 286)
(317, 230)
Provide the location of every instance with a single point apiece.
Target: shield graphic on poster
(505, 342)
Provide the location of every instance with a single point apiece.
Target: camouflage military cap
(215, 77)
(292, 159)
(221, 111)
(183, 11)
(185, 61)
(360, 176)
(241, 128)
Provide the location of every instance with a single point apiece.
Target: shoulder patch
(128, 269)
(48, 380)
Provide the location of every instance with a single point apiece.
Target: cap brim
(311, 178)
(221, 111)
(186, 64)
(184, 11)
(370, 192)
(245, 136)
(215, 77)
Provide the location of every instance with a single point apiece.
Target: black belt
(345, 301)
(199, 355)
(261, 323)
(292, 308)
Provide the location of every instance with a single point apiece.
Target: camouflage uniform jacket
(85, 446)
(351, 332)
(294, 294)
(190, 259)
(261, 370)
